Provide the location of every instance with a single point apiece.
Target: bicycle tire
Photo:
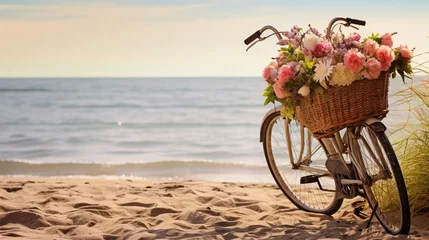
(390, 194)
(307, 197)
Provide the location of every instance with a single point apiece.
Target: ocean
(151, 128)
(146, 128)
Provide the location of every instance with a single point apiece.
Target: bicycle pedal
(359, 207)
(357, 204)
(309, 179)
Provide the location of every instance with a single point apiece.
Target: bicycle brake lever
(354, 27)
(349, 25)
(253, 44)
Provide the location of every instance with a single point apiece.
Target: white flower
(304, 90)
(341, 77)
(311, 41)
(322, 71)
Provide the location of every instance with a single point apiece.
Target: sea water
(150, 128)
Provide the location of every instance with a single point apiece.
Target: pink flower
(322, 49)
(354, 36)
(269, 74)
(371, 69)
(385, 56)
(386, 40)
(285, 73)
(370, 47)
(354, 60)
(280, 91)
(405, 52)
(353, 40)
(294, 66)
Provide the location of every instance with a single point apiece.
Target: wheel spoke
(387, 189)
(307, 195)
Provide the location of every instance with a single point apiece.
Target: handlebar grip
(252, 37)
(356, 21)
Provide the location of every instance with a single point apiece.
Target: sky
(156, 38)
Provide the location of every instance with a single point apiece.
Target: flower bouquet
(332, 82)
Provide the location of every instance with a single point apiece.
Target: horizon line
(22, 77)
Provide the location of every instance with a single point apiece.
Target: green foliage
(375, 37)
(308, 65)
(269, 94)
(400, 66)
(289, 108)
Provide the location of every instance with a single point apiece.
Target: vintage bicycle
(318, 170)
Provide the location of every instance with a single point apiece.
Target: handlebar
(252, 37)
(348, 21)
(356, 21)
(257, 34)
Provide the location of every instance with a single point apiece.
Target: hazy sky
(176, 37)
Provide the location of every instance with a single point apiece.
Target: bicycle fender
(263, 129)
(376, 124)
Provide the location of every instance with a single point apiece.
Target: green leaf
(308, 65)
(270, 87)
(267, 100)
(408, 69)
(375, 37)
(300, 56)
(288, 112)
(290, 49)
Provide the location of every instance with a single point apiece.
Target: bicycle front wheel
(297, 162)
(384, 184)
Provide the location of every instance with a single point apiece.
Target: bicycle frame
(337, 145)
(334, 148)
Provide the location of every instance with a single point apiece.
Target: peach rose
(370, 47)
(280, 91)
(385, 56)
(386, 40)
(269, 74)
(371, 69)
(405, 52)
(285, 73)
(354, 60)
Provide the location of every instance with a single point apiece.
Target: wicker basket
(340, 107)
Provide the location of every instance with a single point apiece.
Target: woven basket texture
(344, 106)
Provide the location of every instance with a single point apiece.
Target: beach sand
(75, 208)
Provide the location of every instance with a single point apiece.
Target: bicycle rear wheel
(385, 187)
(309, 190)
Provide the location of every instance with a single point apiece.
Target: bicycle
(321, 172)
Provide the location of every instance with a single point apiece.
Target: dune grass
(413, 147)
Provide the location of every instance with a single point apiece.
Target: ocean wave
(148, 169)
(159, 106)
(24, 90)
(95, 106)
(96, 124)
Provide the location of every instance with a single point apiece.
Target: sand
(70, 208)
